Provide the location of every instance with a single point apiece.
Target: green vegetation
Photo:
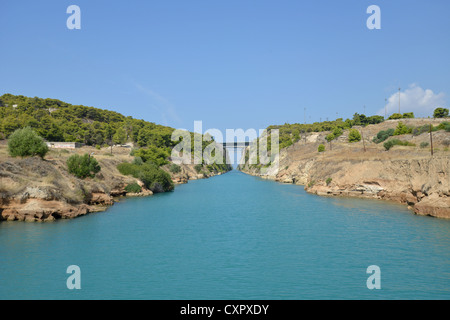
(291, 133)
(55, 120)
(328, 181)
(444, 126)
(362, 120)
(154, 178)
(383, 135)
(424, 144)
(402, 129)
(133, 188)
(422, 129)
(426, 128)
(396, 116)
(285, 141)
(215, 167)
(83, 166)
(337, 132)
(408, 115)
(174, 168)
(354, 135)
(441, 113)
(152, 154)
(138, 160)
(26, 143)
(198, 168)
(395, 142)
(120, 137)
(330, 137)
(321, 148)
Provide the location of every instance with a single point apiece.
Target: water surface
(230, 237)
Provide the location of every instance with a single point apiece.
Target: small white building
(63, 145)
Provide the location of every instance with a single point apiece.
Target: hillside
(405, 174)
(134, 157)
(32, 189)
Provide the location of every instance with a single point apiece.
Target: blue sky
(232, 64)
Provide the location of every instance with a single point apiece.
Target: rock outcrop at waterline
(422, 184)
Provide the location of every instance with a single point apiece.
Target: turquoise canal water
(230, 237)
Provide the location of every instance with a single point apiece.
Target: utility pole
(399, 100)
(304, 115)
(364, 143)
(364, 110)
(431, 139)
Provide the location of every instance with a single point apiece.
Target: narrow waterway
(230, 237)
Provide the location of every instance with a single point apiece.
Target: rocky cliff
(409, 175)
(33, 189)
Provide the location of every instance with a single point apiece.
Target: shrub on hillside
(408, 115)
(83, 166)
(26, 143)
(128, 169)
(424, 144)
(174, 168)
(354, 136)
(152, 154)
(153, 177)
(440, 113)
(395, 142)
(330, 137)
(337, 132)
(383, 135)
(133, 188)
(395, 116)
(321, 148)
(444, 126)
(402, 129)
(419, 130)
(138, 161)
(198, 168)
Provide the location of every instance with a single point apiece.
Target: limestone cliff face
(409, 175)
(423, 184)
(33, 189)
(188, 172)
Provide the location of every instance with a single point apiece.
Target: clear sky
(232, 64)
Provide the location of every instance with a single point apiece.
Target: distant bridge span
(235, 144)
